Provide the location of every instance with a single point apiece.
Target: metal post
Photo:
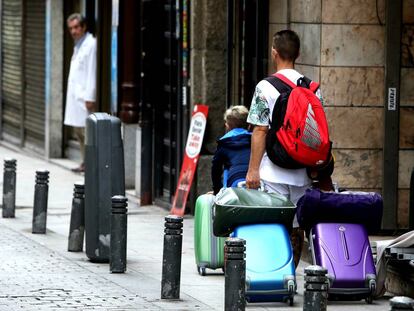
(77, 219)
(9, 188)
(117, 257)
(235, 275)
(316, 289)
(393, 12)
(400, 303)
(171, 263)
(40, 202)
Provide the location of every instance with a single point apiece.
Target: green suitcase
(209, 249)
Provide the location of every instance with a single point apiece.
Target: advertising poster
(191, 155)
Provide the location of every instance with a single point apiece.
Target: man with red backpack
(290, 134)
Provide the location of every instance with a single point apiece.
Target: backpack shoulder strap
(314, 86)
(308, 83)
(278, 84)
(285, 80)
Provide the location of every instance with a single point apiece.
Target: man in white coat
(81, 91)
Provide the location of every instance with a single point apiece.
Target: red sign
(192, 153)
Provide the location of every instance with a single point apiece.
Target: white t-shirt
(260, 113)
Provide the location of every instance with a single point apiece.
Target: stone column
(130, 150)
(208, 69)
(54, 79)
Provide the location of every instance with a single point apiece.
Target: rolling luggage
(338, 226)
(355, 207)
(104, 178)
(263, 220)
(209, 249)
(270, 270)
(234, 207)
(344, 250)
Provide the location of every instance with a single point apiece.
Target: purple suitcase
(354, 207)
(344, 250)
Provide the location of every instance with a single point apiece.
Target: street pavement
(38, 273)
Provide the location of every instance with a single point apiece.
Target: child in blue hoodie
(233, 149)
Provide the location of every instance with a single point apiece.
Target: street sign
(192, 153)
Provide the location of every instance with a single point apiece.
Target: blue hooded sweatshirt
(232, 154)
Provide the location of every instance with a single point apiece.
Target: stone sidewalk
(37, 273)
(34, 277)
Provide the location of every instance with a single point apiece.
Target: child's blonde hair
(236, 117)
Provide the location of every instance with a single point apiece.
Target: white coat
(81, 82)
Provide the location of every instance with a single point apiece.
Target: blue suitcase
(270, 270)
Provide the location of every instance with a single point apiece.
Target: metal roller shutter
(166, 110)
(34, 72)
(12, 74)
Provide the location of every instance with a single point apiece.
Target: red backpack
(298, 136)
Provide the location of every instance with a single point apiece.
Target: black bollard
(315, 296)
(171, 261)
(117, 256)
(40, 202)
(9, 188)
(235, 275)
(77, 219)
(400, 303)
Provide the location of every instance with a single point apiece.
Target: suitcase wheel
(291, 287)
(201, 271)
(372, 287)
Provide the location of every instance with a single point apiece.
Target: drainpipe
(391, 113)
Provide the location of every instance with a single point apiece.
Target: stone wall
(343, 47)
(54, 79)
(208, 75)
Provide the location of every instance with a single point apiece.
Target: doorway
(98, 20)
(247, 48)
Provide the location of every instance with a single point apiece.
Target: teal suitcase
(209, 249)
(270, 270)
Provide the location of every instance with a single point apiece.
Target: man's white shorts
(293, 193)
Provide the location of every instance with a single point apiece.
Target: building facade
(157, 59)
(361, 52)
